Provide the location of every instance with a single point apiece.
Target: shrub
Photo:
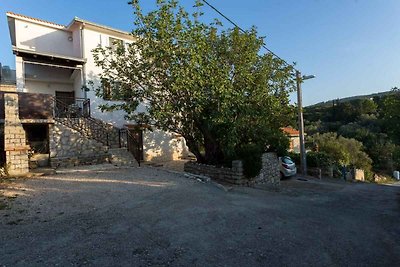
(295, 157)
(250, 154)
(318, 159)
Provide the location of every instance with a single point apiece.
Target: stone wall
(232, 175)
(95, 128)
(70, 148)
(269, 174)
(14, 138)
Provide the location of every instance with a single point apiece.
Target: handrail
(91, 127)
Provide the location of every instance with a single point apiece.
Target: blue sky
(352, 46)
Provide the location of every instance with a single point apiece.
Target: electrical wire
(241, 29)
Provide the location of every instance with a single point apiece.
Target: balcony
(44, 107)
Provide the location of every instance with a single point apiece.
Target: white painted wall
(45, 39)
(47, 87)
(19, 73)
(48, 80)
(160, 146)
(93, 39)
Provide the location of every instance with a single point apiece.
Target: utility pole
(303, 157)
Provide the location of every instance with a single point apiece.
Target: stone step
(122, 157)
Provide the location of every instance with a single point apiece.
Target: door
(67, 98)
(135, 143)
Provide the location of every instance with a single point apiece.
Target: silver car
(287, 167)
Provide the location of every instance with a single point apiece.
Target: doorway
(135, 143)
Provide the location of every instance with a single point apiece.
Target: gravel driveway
(150, 217)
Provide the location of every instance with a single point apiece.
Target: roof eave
(76, 19)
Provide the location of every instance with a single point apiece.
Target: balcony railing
(69, 107)
(44, 106)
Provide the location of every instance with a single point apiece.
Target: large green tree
(212, 86)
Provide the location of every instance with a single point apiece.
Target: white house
(56, 61)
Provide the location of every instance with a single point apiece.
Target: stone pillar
(269, 174)
(237, 167)
(359, 175)
(14, 138)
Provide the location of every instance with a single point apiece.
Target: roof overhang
(35, 20)
(45, 57)
(100, 28)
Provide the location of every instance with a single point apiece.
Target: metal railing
(69, 107)
(75, 113)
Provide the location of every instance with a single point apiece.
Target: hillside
(371, 119)
(351, 98)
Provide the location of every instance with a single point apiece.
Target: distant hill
(351, 98)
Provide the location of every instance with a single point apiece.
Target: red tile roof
(35, 19)
(290, 131)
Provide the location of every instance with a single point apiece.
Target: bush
(295, 157)
(318, 160)
(396, 158)
(250, 154)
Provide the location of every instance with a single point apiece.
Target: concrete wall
(48, 80)
(93, 39)
(294, 144)
(45, 39)
(160, 146)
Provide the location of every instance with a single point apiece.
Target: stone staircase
(122, 157)
(95, 129)
(115, 140)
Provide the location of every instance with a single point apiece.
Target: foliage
(294, 156)
(371, 121)
(396, 158)
(390, 115)
(318, 159)
(212, 86)
(343, 151)
(250, 154)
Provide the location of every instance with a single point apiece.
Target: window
(115, 43)
(106, 86)
(112, 90)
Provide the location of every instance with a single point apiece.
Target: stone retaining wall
(70, 148)
(232, 175)
(269, 174)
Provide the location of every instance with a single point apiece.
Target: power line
(241, 29)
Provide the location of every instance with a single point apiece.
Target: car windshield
(287, 160)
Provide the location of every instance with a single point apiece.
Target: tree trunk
(213, 151)
(194, 148)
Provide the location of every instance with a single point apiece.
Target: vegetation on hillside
(372, 123)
